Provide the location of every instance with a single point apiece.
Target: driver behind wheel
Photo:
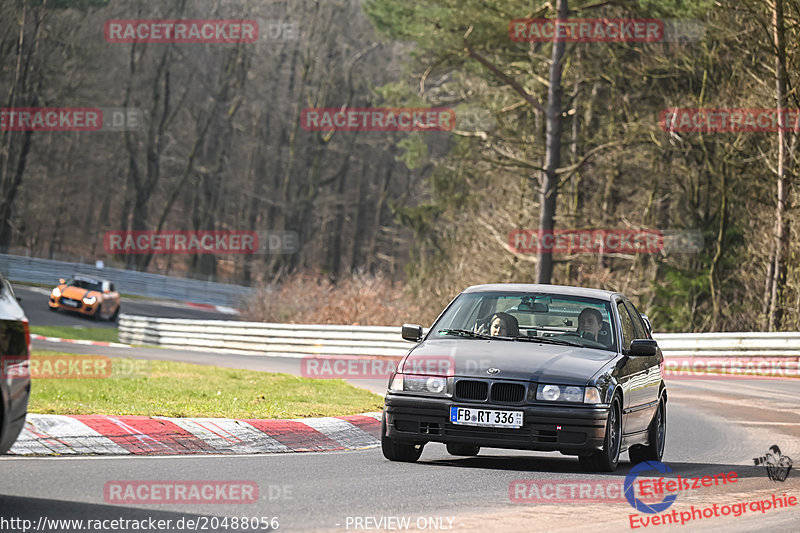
(589, 324)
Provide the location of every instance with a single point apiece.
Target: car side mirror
(61, 281)
(643, 348)
(19, 299)
(412, 332)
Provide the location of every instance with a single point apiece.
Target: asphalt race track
(714, 427)
(34, 301)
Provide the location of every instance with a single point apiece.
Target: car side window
(638, 325)
(628, 333)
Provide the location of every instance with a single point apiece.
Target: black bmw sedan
(15, 381)
(532, 367)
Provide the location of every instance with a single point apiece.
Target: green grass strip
(164, 388)
(69, 332)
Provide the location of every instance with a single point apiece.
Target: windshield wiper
(550, 340)
(465, 333)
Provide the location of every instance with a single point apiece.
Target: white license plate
(71, 303)
(470, 416)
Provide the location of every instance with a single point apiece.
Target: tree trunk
(781, 222)
(549, 192)
(22, 94)
(712, 271)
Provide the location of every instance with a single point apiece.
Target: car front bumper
(569, 430)
(82, 307)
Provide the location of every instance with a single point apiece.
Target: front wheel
(606, 460)
(398, 451)
(656, 435)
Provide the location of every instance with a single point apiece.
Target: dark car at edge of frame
(15, 382)
(544, 385)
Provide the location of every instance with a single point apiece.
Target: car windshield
(549, 318)
(82, 283)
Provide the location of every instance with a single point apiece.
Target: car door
(633, 378)
(652, 363)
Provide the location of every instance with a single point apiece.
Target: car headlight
(90, 300)
(423, 384)
(56, 293)
(563, 393)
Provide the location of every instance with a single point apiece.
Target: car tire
(52, 308)
(467, 450)
(96, 316)
(656, 435)
(606, 460)
(398, 451)
(115, 316)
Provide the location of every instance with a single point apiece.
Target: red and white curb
(143, 435)
(77, 341)
(224, 309)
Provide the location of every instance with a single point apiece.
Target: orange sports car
(92, 297)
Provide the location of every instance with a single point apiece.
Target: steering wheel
(593, 342)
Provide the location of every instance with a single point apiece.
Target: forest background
(392, 225)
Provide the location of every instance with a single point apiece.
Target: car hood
(515, 360)
(76, 293)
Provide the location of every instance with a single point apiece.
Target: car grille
(508, 392)
(472, 390)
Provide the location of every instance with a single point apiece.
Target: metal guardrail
(747, 344)
(35, 270)
(260, 338)
(294, 340)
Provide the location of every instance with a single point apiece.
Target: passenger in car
(590, 321)
(500, 325)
